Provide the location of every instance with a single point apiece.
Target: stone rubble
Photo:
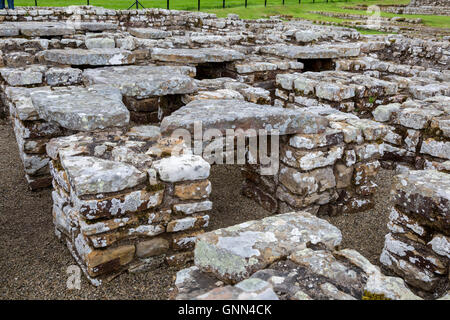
(293, 256)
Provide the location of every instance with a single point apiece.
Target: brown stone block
(193, 190)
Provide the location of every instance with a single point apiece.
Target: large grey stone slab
(201, 55)
(91, 57)
(45, 29)
(236, 114)
(144, 81)
(313, 52)
(235, 253)
(80, 108)
(94, 26)
(149, 33)
(91, 175)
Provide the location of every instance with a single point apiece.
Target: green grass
(255, 8)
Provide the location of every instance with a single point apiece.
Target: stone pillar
(418, 245)
(122, 201)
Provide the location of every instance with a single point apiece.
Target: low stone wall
(120, 199)
(433, 3)
(326, 173)
(417, 52)
(159, 18)
(418, 245)
(418, 134)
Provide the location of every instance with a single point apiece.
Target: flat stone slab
(91, 175)
(31, 75)
(44, 29)
(8, 30)
(313, 52)
(149, 33)
(94, 26)
(235, 253)
(236, 114)
(336, 85)
(202, 55)
(144, 81)
(80, 108)
(91, 57)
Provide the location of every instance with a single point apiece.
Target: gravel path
(33, 262)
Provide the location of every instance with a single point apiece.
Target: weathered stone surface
(193, 190)
(425, 194)
(118, 205)
(62, 76)
(325, 264)
(234, 253)
(92, 57)
(144, 81)
(201, 55)
(193, 207)
(441, 245)
(45, 29)
(182, 168)
(191, 282)
(82, 109)
(440, 149)
(416, 118)
(371, 130)
(249, 289)
(149, 33)
(415, 268)
(103, 261)
(232, 114)
(152, 247)
(304, 183)
(313, 52)
(384, 287)
(99, 43)
(312, 141)
(94, 26)
(8, 30)
(383, 113)
(188, 223)
(308, 160)
(23, 76)
(89, 175)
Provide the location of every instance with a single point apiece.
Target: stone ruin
(96, 97)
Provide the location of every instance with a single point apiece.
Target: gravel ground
(33, 262)
(365, 231)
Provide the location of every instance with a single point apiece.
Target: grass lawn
(255, 8)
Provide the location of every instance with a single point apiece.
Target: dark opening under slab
(317, 65)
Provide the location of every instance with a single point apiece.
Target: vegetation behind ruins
(256, 8)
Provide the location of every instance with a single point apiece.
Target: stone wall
(122, 202)
(433, 3)
(417, 247)
(327, 173)
(418, 135)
